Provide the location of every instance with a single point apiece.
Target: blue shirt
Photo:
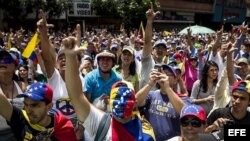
(162, 116)
(95, 85)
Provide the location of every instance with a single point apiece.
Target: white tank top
(18, 102)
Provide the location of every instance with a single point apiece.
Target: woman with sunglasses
(10, 86)
(192, 123)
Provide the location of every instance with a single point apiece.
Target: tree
(131, 12)
(19, 9)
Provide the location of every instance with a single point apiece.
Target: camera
(230, 122)
(158, 67)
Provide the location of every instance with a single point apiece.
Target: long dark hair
(132, 66)
(203, 82)
(22, 66)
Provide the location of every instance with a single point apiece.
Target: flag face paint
(122, 101)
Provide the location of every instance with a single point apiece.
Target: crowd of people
(98, 86)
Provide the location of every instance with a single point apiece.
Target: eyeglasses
(6, 60)
(194, 122)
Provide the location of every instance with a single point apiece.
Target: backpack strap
(103, 127)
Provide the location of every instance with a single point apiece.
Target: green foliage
(131, 12)
(19, 9)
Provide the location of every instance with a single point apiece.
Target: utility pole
(222, 11)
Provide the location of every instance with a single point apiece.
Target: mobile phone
(230, 122)
(158, 67)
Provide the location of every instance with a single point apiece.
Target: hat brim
(190, 114)
(31, 96)
(160, 44)
(130, 51)
(169, 69)
(105, 54)
(11, 55)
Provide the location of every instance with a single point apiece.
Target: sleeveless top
(18, 102)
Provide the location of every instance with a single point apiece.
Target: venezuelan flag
(33, 57)
(29, 50)
(130, 131)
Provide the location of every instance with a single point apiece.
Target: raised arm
(6, 108)
(148, 31)
(48, 51)
(217, 43)
(143, 92)
(240, 39)
(73, 82)
(230, 65)
(40, 60)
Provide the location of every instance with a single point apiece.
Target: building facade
(181, 13)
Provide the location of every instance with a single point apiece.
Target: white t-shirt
(176, 138)
(61, 99)
(92, 122)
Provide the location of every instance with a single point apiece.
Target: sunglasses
(6, 60)
(194, 122)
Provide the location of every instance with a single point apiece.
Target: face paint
(122, 101)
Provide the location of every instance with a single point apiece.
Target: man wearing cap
(192, 122)
(99, 81)
(125, 124)
(243, 69)
(37, 121)
(151, 56)
(237, 113)
(162, 107)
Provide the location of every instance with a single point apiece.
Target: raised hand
(231, 48)
(78, 35)
(189, 31)
(220, 32)
(163, 81)
(71, 44)
(42, 24)
(153, 77)
(150, 14)
(244, 28)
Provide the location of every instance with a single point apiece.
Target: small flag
(33, 57)
(9, 43)
(141, 32)
(31, 46)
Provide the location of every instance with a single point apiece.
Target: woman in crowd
(127, 67)
(192, 122)
(203, 90)
(11, 87)
(191, 72)
(23, 76)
